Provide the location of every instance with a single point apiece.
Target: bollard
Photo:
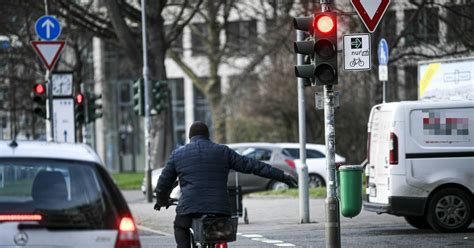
(350, 179)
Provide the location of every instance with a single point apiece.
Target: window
(241, 37)
(177, 100)
(202, 111)
(411, 82)
(177, 44)
(199, 32)
(258, 154)
(295, 153)
(460, 19)
(424, 28)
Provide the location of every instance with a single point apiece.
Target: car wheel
(417, 222)
(449, 210)
(316, 181)
(276, 185)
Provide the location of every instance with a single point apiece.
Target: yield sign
(370, 11)
(48, 51)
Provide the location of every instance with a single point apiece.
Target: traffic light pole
(149, 194)
(49, 108)
(303, 171)
(332, 227)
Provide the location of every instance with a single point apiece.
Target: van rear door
(379, 146)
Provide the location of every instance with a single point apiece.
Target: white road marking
(272, 241)
(252, 235)
(285, 244)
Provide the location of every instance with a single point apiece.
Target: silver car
(265, 152)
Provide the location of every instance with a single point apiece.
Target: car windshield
(67, 194)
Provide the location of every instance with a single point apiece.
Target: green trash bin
(350, 189)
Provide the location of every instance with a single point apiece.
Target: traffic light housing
(79, 109)
(306, 47)
(39, 97)
(94, 107)
(159, 93)
(139, 97)
(321, 49)
(325, 48)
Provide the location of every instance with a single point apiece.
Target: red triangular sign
(370, 11)
(48, 51)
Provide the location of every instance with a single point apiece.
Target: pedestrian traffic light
(39, 98)
(160, 96)
(306, 47)
(94, 107)
(139, 97)
(325, 48)
(79, 109)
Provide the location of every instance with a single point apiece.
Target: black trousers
(182, 223)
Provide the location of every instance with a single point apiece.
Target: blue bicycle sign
(48, 28)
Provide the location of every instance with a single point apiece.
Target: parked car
(421, 163)
(57, 194)
(265, 152)
(315, 160)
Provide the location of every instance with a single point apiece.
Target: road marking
(260, 238)
(252, 235)
(144, 228)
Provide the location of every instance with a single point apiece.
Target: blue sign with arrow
(48, 28)
(382, 52)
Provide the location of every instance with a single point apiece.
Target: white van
(421, 163)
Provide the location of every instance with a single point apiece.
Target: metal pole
(86, 103)
(332, 227)
(303, 171)
(384, 91)
(149, 194)
(49, 108)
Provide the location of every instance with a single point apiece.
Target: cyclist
(202, 168)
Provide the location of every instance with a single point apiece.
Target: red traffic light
(324, 24)
(79, 98)
(39, 89)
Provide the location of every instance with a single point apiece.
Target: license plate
(373, 192)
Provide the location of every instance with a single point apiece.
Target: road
(274, 222)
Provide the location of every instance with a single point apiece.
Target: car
(420, 163)
(265, 152)
(315, 160)
(57, 194)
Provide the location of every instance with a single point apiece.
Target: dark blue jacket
(202, 168)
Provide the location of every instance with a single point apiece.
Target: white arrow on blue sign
(382, 52)
(48, 28)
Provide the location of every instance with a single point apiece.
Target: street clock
(62, 84)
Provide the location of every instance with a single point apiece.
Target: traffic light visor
(324, 23)
(39, 89)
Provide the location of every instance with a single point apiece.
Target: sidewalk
(265, 213)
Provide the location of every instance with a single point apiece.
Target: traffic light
(94, 107)
(306, 47)
(160, 96)
(79, 109)
(321, 49)
(39, 98)
(139, 97)
(325, 48)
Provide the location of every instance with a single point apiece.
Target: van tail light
(221, 245)
(20, 217)
(368, 147)
(290, 163)
(128, 235)
(393, 149)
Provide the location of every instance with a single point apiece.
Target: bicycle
(210, 231)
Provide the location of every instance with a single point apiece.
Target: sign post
(382, 52)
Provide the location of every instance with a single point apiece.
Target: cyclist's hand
(290, 180)
(159, 205)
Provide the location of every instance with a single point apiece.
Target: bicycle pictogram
(356, 61)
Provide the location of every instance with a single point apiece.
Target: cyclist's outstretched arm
(165, 182)
(248, 165)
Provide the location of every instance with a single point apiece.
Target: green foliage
(128, 180)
